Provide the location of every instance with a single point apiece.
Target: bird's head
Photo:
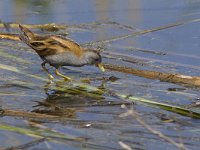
(93, 57)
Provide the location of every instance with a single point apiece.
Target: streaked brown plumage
(59, 51)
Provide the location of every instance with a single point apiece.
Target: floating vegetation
(176, 109)
(47, 133)
(48, 27)
(163, 77)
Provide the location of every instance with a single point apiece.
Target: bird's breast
(65, 59)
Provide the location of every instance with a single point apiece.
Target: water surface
(87, 114)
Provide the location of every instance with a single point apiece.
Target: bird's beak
(100, 67)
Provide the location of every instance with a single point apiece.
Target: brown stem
(164, 77)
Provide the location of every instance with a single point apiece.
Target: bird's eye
(97, 59)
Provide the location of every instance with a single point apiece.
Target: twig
(124, 146)
(157, 133)
(55, 27)
(142, 32)
(14, 37)
(19, 113)
(48, 27)
(163, 77)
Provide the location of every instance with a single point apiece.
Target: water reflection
(75, 101)
(66, 99)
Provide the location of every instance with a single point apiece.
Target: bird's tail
(27, 34)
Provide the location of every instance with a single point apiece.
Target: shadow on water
(65, 100)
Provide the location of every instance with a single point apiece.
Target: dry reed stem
(149, 128)
(33, 115)
(181, 79)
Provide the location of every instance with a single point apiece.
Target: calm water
(93, 117)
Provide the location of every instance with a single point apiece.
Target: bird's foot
(50, 77)
(63, 76)
(66, 78)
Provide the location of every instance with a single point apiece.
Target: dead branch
(193, 81)
(149, 128)
(143, 32)
(48, 27)
(31, 115)
(8, 36)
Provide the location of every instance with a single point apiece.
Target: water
(85, 114)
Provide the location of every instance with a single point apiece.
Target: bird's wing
(50, 44)
(66, 45)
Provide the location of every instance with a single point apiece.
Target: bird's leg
(45, 69)
(61, 75)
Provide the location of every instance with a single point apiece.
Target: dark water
(96, 116)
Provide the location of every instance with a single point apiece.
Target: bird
(58, 51)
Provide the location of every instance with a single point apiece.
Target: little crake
(58, 51)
